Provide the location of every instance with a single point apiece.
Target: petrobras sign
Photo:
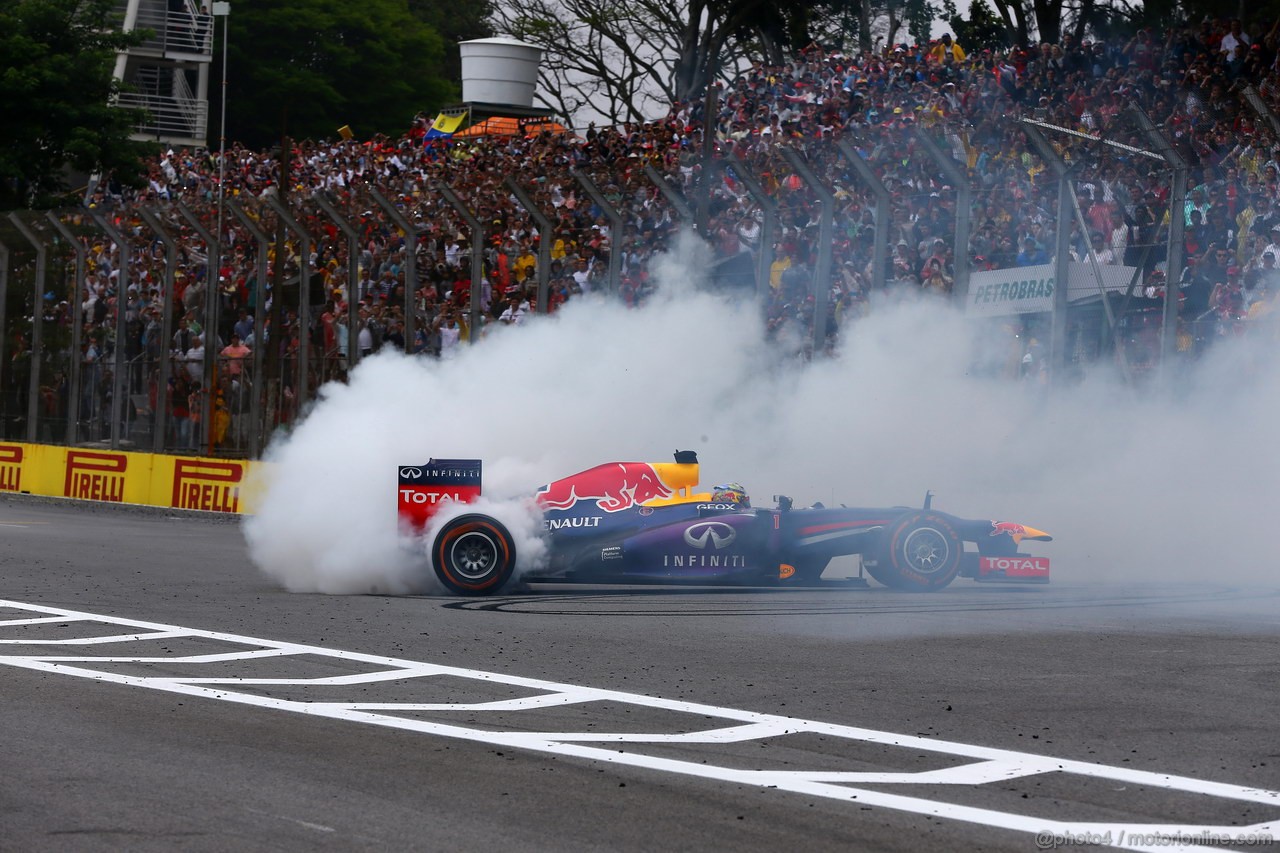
(1020, 290)
(1029, 290)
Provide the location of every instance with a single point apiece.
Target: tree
(1029, 21)
(853, 26)
(312, 66)
(455, 22)
(56, 91)
(982, 29)
(629, 61)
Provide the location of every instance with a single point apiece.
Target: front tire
(921, 553)
(473, 555)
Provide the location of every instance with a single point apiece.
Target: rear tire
(473, 555)
(921, 552)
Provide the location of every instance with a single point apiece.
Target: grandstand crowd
(1189, 80)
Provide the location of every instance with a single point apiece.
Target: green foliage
(919, 16)
(454, 22)
(982, 29)
(1256, 15)
(309, 67)
(55, 91)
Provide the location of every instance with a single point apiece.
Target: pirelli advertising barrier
(180, 482)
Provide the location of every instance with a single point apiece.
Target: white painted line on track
(990, 764)
(733, 734)
(97, 641)
(42, 620)
(332, 680)
(220, 657)
(547, 700)
(967, 774)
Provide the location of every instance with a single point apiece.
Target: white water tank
(499, 71)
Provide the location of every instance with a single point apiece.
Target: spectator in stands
(234, 356)
(244, 327)
(193, 359)
(1234, 47)
(875, 100)
(1031, 253)
(450, 332)
(514, 313)
(1101, 251)
(946, 49)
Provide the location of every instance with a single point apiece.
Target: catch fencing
(118, 320)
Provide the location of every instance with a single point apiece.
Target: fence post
(477, 259)
(964, 211)
(615, 224)
(353, 275)
(822, 269)
(4, 297)
(1065, 176)
(37, 323)
(212, 300)
(880, 245)
(673, 196)
(211, 297)
(545, 229)
(1177, 232)
(166, 330)
(711, 109)
(304, 299)
(263, 240)
(411, 233)
(1062, 255)
(122, 287)
(769, 225)
(77, 327)
(1260, 107)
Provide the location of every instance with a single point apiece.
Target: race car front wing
(1018, 568)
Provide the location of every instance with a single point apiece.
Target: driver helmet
(730, 493)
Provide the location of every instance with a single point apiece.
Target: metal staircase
(160, 71)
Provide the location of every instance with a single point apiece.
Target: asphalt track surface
(687, 719)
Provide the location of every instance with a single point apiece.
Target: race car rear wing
(425, 489)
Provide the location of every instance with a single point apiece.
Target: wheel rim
(926, 551)
(473, 555)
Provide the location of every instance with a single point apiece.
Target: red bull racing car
(636, 522)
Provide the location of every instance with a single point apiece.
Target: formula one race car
(637, 522)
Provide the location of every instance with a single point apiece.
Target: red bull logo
(1008, 528)
(210, 486)
(10, 468)
(95, 476)
(615, 486)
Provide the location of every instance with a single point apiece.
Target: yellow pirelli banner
(180, 482)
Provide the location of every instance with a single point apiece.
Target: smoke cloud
(1133, 484)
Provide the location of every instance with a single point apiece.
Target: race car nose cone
(1037, 535)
